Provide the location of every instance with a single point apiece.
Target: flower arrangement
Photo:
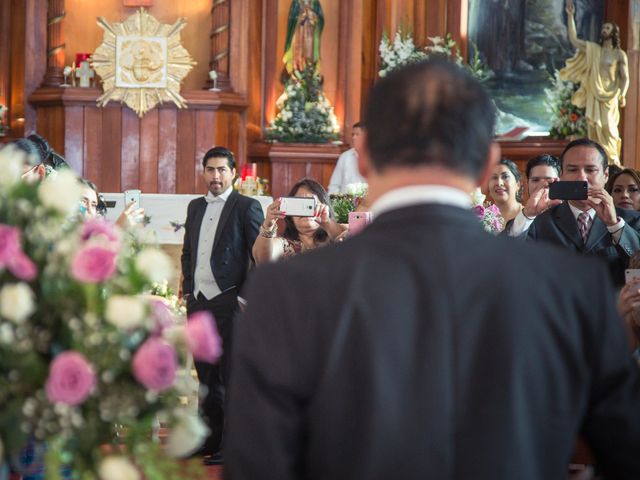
(567, 120)
(488, 213)
(400, 52)
(89, 363)
(345, 203)
(403, 51)
(304, 113)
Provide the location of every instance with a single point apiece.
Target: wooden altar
(158, 153)
(286, 163)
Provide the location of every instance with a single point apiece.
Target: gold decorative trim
(141, 62)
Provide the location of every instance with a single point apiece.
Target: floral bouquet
(345, 203)
(88, 363)
(488, 214)
(567, 120)
(305, 114)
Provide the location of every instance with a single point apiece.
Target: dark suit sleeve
(629, 242)
(252, 221)
(185, 259)
(612, 420)
(265, 400)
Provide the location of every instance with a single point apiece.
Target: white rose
(477, 197)
(11, 161)
(118, 468)
(187, 436)
(155, 264)
(125, 312)
(16, 302)
(61, 193)
(7, 336)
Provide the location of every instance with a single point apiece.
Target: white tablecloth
(167, 213)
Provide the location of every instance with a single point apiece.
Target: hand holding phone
(359, 220)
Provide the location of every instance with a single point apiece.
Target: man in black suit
(219, 234)
(424, 347)
(593, 226)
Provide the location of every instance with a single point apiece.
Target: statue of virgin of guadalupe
(304, 27)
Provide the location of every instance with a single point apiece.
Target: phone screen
(568, 190)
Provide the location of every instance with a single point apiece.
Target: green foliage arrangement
(567, 120)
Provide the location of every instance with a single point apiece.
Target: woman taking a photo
(300, 233)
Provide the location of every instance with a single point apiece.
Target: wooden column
(631, 113)
(55, 43)
(220, 43)
(348, 98)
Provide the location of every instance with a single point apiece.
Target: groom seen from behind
(418, 348)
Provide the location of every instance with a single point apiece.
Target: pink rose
(479, 211)
(93, 264)
(71, 379)
(493, 208)
(155, 364)
(162, 316)
(94, 227)
(22, 267)
(9, 243)
(202, 337)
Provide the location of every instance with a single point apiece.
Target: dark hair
(101, 208)
(359, 125)
(615, 35)
(220, 152)
(290, 230)
(585, 142)
(627, 171)
(513, 168)
(440, 115)
(544, 159)
(27, 146)
(47, 154)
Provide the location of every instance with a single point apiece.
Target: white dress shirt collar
(210, 198)
(576, 212)
(421, 194)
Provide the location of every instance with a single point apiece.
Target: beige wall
(83, 35)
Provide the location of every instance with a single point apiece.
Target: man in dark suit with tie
(424, 347)
(593, 226)
(220, 230)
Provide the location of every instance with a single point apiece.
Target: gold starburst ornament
(142, 62)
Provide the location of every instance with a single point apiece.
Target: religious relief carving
(142, 62)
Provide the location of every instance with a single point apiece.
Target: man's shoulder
(629, 216)
(243, 200)
(196, 202)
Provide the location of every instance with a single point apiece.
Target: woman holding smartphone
(300, 233)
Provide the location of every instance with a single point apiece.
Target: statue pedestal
(286, 163)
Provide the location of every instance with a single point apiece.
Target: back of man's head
(430, 113)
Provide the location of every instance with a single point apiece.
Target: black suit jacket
(236, 232)
(558, 226)
(425, 348)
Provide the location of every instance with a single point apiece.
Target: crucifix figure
(85, 73)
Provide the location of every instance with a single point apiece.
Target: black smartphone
(568, 190)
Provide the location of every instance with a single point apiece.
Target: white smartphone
(632, 275)
(132, 196)
(298, 206)
(358, 220)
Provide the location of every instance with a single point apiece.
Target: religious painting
(524, 42)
